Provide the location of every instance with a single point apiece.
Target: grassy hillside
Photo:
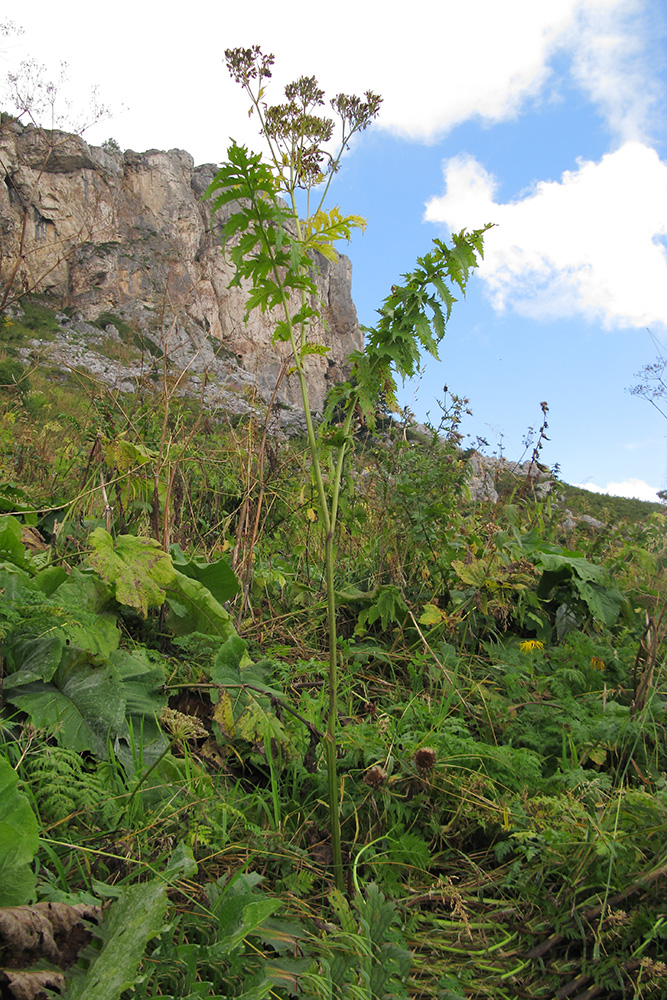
(501, 747)
(608, 509)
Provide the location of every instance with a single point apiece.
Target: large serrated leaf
(604, 603)
(83, 707)
(35, 659)
(135, 917)
(143, 680)
(12, 549)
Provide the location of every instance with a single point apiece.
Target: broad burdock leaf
(12, 549)
(565, 569)
(18, 840)
(143, 681)
(138, 569)
(35, 659)
(218, 576)
(84, 706)
(193, 608)
(242, 711)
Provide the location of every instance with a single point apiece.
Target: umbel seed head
(425, 760)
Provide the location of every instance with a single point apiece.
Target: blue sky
(547, 119)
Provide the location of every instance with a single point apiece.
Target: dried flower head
(245, 65)
(653, 970)
(424, 760)
(375, 776)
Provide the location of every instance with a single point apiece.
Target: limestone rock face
(128, 234)
(484, 471)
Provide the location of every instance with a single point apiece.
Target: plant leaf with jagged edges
(83, 706)
(52, 629)
(243, 708)
(239, 911)
(432, 615)
(35, 659)
(389, 959)
(134, 918)
(138, 569)
(143, 679)
(18, 840)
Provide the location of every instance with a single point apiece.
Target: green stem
(329, 522)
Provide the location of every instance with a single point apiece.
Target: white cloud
(588, 245)
(615, 50)
(461, 61)
(635, 488)
(436, 64)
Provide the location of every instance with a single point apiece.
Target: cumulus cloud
(634, 488)
(444, 64)
(436, 64)
(591, 244)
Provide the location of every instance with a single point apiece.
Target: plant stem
(329, 509)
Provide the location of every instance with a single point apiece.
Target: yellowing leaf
(432, 615)
(475, 574)
(323, 229)
(311, 514)
(223, 713)
(137, 568)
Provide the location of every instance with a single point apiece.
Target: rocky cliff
(127, 234)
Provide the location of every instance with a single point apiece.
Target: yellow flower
(530, 645)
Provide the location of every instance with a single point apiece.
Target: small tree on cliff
(273, 247)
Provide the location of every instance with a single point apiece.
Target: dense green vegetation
(502, 704)
(300, 718)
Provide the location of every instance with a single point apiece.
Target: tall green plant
(273, 249)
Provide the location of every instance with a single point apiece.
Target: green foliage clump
(14, 379)
(35, 321)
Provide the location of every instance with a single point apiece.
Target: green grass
(36, 322)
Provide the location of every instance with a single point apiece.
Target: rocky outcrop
(128, 234)
(485, 472)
